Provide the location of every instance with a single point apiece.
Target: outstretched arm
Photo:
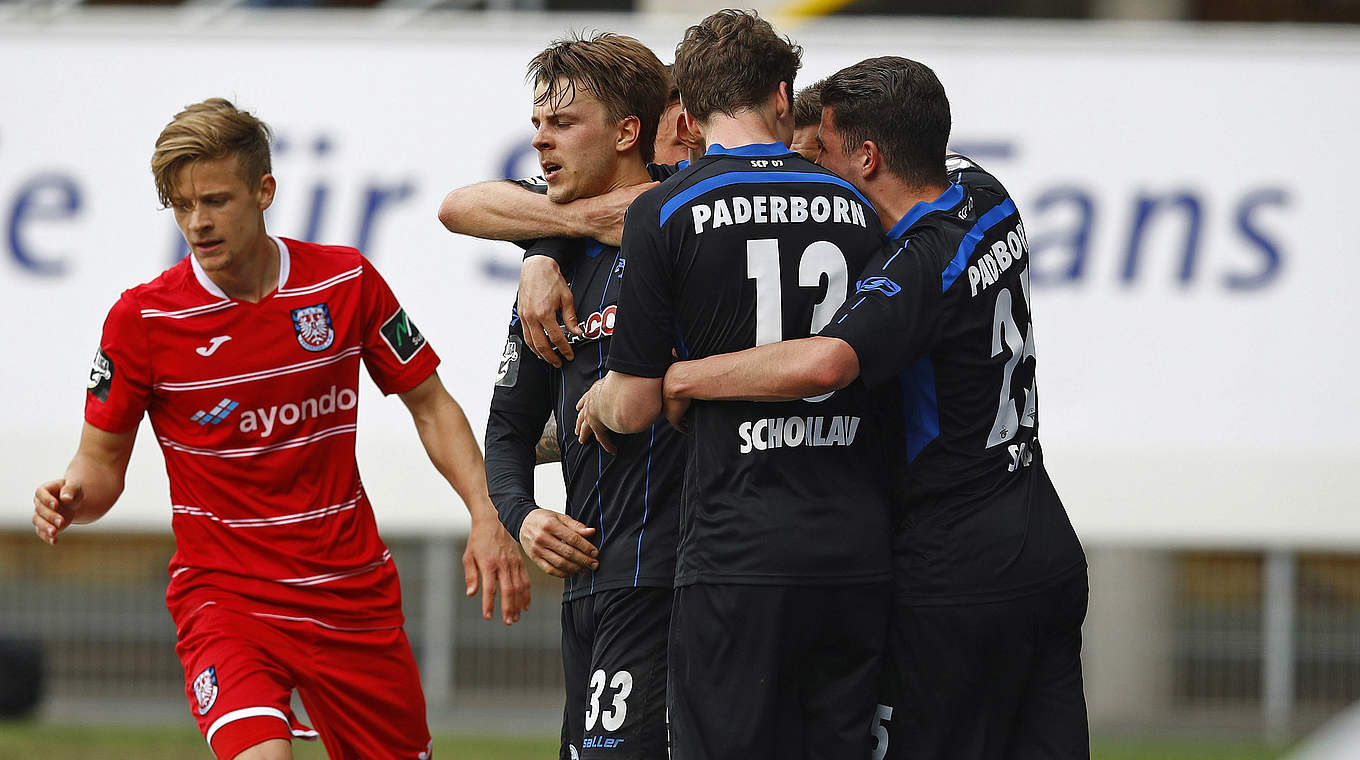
(492, 560)
(501, 210)
(92, 483)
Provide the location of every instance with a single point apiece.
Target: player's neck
(252, 276)
(893, 198)
(747, 127)
(629, 171)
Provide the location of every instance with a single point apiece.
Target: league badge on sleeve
(402, 336)
(101, 376)
(313, 327)
(205, 689)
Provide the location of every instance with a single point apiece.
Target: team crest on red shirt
(205, 689)
(313, 327)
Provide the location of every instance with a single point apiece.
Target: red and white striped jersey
(254, 405)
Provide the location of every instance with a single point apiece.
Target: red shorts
(360, 688)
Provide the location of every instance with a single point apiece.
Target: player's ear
(873, 161)
(690, 129)
(783, 102)
(266, 195)
(687, 133)
(629, 129)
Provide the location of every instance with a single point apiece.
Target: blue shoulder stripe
(745, 178)
(947, 200)
(987, 221)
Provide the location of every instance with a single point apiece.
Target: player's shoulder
(173, 290)
(310, 264)
(322, 255)
(962, 170)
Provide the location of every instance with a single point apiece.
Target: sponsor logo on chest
(266, 420)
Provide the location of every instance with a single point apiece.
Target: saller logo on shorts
(402, 336)
(101, 376)
(205, 689)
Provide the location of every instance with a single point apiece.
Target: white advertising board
(1184, 191)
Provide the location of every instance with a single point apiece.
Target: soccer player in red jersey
(246, 357)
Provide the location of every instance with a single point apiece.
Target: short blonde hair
(210, 130)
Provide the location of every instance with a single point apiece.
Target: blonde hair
(210, 130)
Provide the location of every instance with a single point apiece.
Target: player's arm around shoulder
(92, 483)
(506, 210)
(774, 372)
(491, 562)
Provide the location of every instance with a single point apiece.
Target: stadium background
(1183, 185)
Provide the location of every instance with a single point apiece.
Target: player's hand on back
(557, 543)
(543, 293)
(492, 563)
(54, 505)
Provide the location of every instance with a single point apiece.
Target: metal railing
(1266, 636)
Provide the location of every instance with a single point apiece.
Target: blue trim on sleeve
(777, 148)
(745, 178)
(920, 408)
(947, 200)
(997, 215)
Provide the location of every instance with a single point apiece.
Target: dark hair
(673, 95)
(732, 60)
(807, 105)
(620, 72)
(899, 105)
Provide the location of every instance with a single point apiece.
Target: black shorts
(614, 658)
(984, 681)
(775, 671)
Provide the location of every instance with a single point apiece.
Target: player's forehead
(566, 97)
(207, 176)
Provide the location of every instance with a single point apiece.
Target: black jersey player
(781, 598)
(990, 578)
(596, 109)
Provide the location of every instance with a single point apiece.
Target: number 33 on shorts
(610, 717)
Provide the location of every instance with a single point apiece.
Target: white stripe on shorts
(248, 712)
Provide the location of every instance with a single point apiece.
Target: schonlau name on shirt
(792, 432)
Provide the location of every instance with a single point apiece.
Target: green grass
(21, 740)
